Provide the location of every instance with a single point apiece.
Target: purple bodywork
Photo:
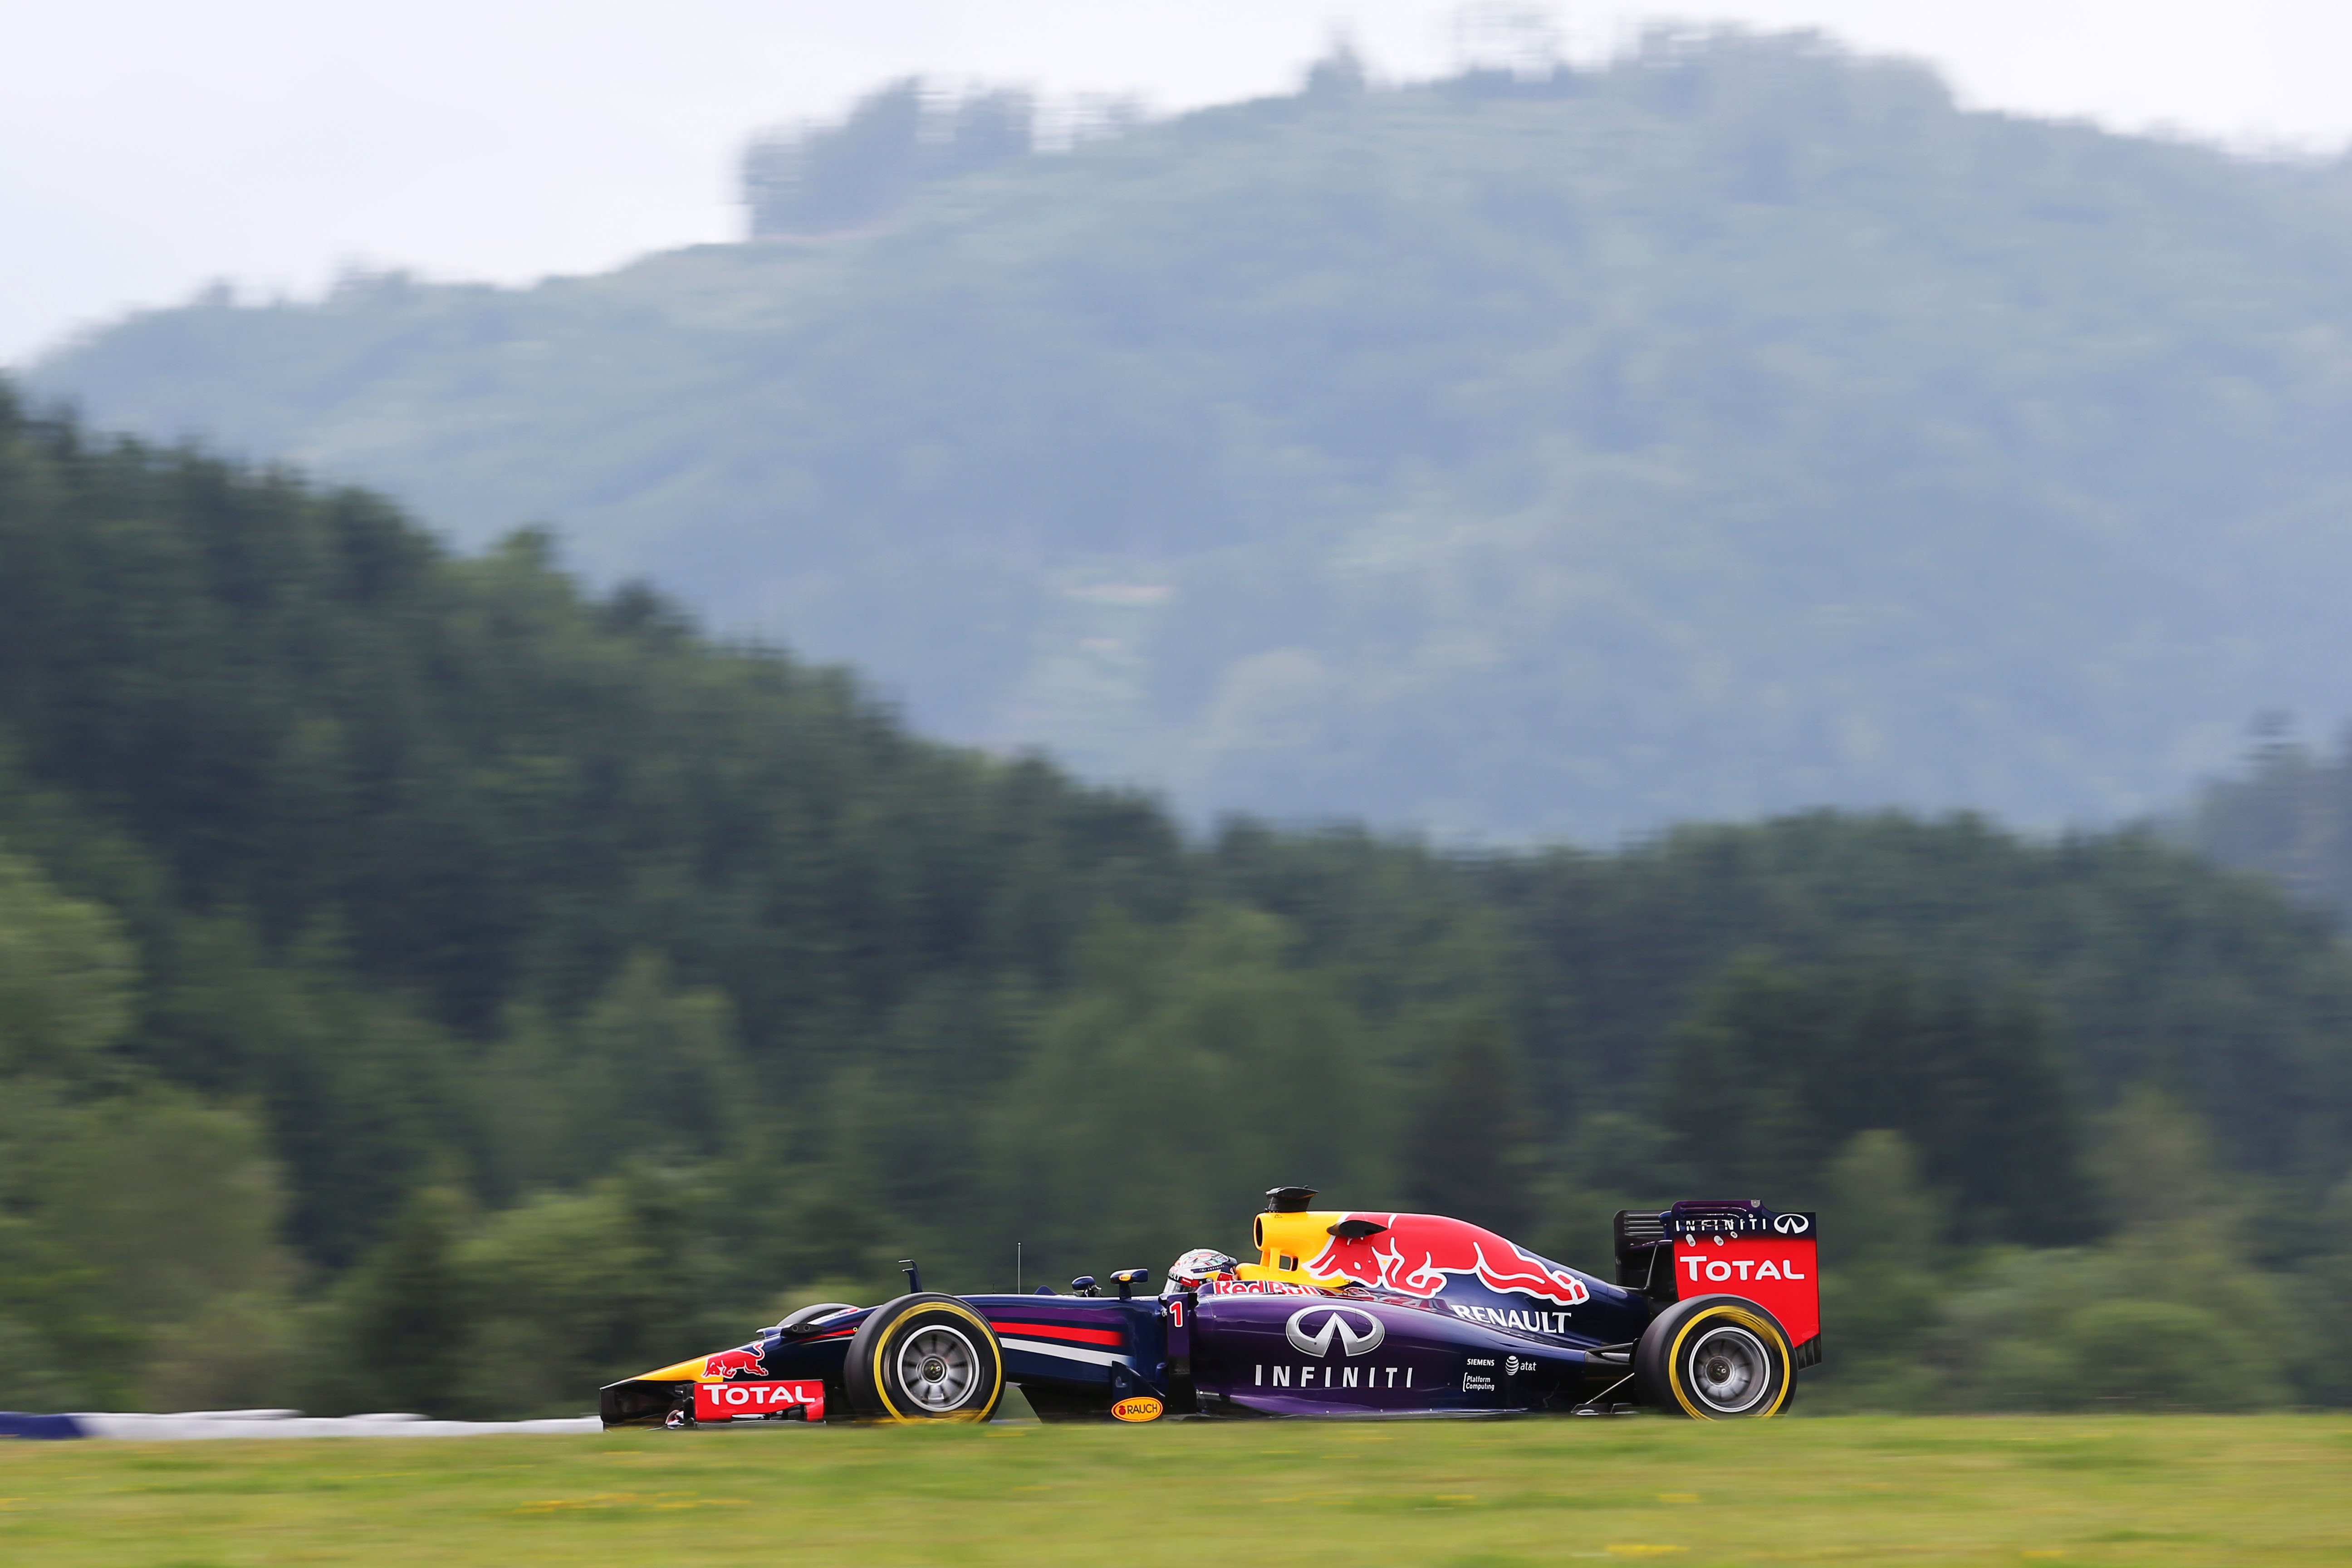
(1466, 1349)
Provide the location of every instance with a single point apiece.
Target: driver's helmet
(1196, 1269)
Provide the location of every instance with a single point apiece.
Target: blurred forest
(1737, 427)
(2287, 814)
(426, 984)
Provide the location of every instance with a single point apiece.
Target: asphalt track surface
(135, 1427)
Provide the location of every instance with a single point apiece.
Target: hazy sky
(149, 146)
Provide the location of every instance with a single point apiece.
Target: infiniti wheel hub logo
(1342, 1322)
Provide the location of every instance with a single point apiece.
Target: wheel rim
(937, 1368)
(1729, 1370)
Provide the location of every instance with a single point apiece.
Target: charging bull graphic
(1412, 1254)
(750, 1363)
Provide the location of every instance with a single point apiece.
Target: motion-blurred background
(716, 648)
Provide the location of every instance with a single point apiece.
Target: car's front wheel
(925, 1358)
(1715, 1358)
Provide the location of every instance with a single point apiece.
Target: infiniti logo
(1791, 1224)
(1339, 1321)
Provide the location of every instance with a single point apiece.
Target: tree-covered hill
(408, 961)
(2287, 814)
(1739, 428)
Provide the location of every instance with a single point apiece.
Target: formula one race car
(1715, 1308)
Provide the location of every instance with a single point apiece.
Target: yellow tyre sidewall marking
(889, 1337)
(1762, 1328)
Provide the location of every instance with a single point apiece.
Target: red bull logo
(1414, 1254)
(1257, 1288)
(746, 1362)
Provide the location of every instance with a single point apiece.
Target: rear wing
(1728, 1247)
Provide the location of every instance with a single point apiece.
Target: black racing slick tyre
(1715, 1358)
(924, 1358)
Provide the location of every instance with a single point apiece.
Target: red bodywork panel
(725, 1401)
(1777, 1273)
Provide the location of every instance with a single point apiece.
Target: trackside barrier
(145, 1428)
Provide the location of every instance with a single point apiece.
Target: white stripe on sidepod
(1067, 1353)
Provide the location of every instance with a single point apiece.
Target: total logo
(1718, 1270)
(727, 1401)
(1311, 1329)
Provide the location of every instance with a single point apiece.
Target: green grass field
(2147, 1489)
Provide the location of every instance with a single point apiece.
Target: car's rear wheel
(925, 1358)
(1715, 1358)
